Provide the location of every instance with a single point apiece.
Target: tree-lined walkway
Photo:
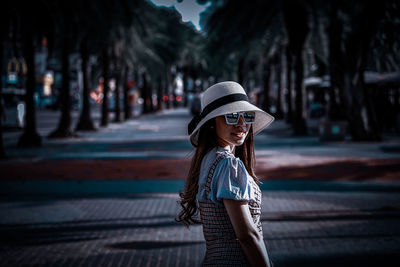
(156, 146)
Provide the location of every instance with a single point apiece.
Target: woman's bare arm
(250, 239)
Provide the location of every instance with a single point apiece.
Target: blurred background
(336, 61)
(95, 97)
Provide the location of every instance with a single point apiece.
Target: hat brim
(263, 119)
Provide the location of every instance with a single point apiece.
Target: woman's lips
(239, 135)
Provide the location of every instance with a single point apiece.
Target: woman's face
(231, 135)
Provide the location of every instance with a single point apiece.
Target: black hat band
(214, 105)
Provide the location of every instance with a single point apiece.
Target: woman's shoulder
(218, 153)
(224, 153)
(230, 166)
(224, 162)
(232, 180)
(228, 159)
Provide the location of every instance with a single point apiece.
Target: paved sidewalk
(108, 198)
(300, 229)
(156, 146)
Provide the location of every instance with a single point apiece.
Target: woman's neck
(226, 146)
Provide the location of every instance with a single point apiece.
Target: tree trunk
(371, 101)
(127, 104)
(64, 126)
(30, 137)
(159, 93)
(117, 94)
(167, 85)
(279, 111)
(85, 121)
(171, 89)
(362, 119)
(150, 92)
(241, 70)
(336, 65)
(376, 10)
(266, 83)
(296, 22)
(299, 123)
(104, 109)
(185, 87)
(136, 78)
(2, 152)
(289, 97)
(145, 94)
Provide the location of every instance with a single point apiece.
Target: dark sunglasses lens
(232, 117)
(249, 116)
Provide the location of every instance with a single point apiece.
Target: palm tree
(34, 21)
(127, 105)
(85, 121)
(117, 54)
(237, 31)
(279, 70)
(155, 48)
(4, 22)
(289, 85)
(296, 22)
(88, 33)
(349, 54)
(106, 89)
(236, 27)
(191, 61)
(117, 18)
(66, 11)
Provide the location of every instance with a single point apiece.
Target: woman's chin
(238, 142)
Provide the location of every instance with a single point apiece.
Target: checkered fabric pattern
(223, 247)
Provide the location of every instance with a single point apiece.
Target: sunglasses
(249, 117)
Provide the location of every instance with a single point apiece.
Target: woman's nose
(241, 121)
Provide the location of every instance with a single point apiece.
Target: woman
(221, 183)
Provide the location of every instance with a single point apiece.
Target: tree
(88, 37)
(279, 70)
(66, 22)
(161, 45)
(117, 65)
(296, 21)
(34, 21)
(85, 121)
(349, 53)
(117, 19)
(357, 37)
(106, 89)
(127, 105)
(4, 24)
(238, 31)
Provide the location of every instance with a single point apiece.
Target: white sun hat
(224, 98)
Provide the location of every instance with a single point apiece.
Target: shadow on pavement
(66, 232)
(342, 260)
(153, 244)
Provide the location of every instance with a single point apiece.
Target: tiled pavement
(350, 224)
(300, 229)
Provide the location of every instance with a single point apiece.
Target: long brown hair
(207, 140)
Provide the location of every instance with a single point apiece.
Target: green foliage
(236, 29)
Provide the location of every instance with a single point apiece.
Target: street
(108, 198)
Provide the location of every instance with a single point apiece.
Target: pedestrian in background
(221, 182)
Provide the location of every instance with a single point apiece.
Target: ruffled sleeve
(231, 181)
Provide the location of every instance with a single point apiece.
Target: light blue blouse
(231, 179)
